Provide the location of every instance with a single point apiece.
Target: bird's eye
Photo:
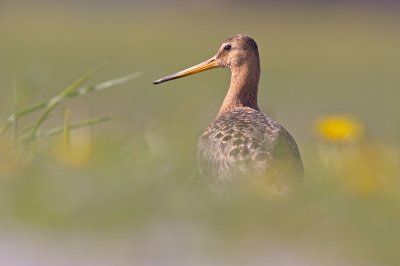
(227, 47)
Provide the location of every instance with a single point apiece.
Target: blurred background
(128, 192)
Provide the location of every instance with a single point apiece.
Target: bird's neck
(243, 89)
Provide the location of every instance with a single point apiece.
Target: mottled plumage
(243, 143)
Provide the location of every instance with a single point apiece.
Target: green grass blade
(81, 91)
(105, 85)
(66, 129)
(4, 127)
(19, 114)
(62, 129)
(15, 122)
(55, 101)
(28, 110)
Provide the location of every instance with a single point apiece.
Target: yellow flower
(339, 128)
(77, 151)
(74, 148)
(353, 160)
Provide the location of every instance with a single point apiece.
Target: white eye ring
(227, 47)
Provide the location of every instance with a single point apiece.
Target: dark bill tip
(167, 78)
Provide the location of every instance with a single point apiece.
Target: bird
(242, 143)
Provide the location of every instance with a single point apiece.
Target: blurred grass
(142, 169)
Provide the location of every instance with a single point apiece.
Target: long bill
(209, 64)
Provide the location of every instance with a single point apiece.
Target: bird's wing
(225, 152)
(248, 143)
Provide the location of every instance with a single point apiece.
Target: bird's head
(234, 52)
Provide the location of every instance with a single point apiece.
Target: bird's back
(245, 143)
